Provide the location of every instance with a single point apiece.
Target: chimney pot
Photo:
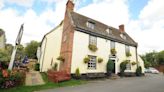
(70, 5)
(121, 28)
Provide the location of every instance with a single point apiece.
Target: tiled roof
(100, 29)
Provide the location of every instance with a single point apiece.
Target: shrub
(100, 60)
(110, 67)
(123, 66)
(133, 63)
(55, 66)
(61, 58)
(139, 71)
(92, 47)
(37, 67)
(13, 79)
(113, 51)
(77, 74)
(128, 54)
(86, 60)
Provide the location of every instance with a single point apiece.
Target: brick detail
(121, 28)
(67, 40)
(58, 76)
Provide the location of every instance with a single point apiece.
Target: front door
(114, 70)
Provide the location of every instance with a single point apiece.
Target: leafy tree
(160, 57)
(20, 52)
(31, 49)
(4, 55)
(9, 48)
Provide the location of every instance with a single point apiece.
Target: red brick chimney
(121, 28)
(70, 5)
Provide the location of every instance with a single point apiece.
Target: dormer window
(90, 25)
(109, 31)
(123, 36)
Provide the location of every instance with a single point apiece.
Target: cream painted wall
(50, 49)
(80, 50)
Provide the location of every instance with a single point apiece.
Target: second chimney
(121, 28)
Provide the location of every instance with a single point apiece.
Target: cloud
(148, 29)
(107, 11)
(25, 3)
(35, 25)
(1, 4)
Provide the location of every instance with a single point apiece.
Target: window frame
(90, 25)
(92, 40)
(92, 64)
(112, 44)
(127, 49)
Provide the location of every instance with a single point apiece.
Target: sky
(143, 19)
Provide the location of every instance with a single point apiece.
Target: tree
(31, 49)
(20, 52)
(4, 55)
(160, 57)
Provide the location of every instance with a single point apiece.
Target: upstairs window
(90, 25)
(109, 31)
(92, 40)
(112, 44)
(127, 49)
(123, 36)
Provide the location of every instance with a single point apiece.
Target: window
(92, 62)
(127, 49)
(123, 36)
(90, 25)
(92, 40)
(112, 44)
(109, 31)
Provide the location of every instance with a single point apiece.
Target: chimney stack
(70, 5)
(121, 28)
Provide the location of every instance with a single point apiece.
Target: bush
(128, 54)
(123, 66)
(92, 47)
(113, 51)
(37, 67)
(61, 58)
(86, 60)
(77, 74)
(139, 71)
(100, 60)
(13, 78)
(133, 63)
(55, 66)
(110, 67)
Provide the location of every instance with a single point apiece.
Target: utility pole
(17, 42)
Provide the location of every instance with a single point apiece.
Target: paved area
(34, 78)
(148, 83)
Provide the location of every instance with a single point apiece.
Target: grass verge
(47, 85)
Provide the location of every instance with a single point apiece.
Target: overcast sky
(143, 19)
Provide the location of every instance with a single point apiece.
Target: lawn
(47, 85)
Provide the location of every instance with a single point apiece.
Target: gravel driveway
(148, 83)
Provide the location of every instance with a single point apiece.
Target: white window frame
(92, 62)
(90, 25)
(127, 49)
(92, 40)
(112, 44)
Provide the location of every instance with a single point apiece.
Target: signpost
(17, 42)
